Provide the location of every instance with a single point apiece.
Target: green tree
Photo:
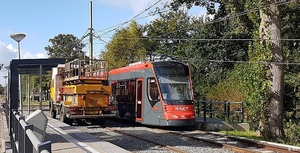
(187, 38)
(212, 53)
(290, 16)
(208, 4)
(270, 35)
(125, 47)
(65, 46)
(269, 48)
(1, 89)
(169, 34)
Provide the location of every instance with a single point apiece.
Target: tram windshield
(174, 82)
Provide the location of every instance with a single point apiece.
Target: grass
(32, 103)
(35, 103)
(245, 134)
(253, 135)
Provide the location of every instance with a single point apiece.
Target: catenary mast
(91, 33)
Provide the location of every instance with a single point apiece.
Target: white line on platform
(73, 140)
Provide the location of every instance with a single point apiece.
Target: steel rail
(159, 144)
(259, 144)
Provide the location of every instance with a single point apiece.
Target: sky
(43, 20)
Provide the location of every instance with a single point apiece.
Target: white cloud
(41, 55)
(137, 6)
(11, 48)
(9, 52)
(29, 55)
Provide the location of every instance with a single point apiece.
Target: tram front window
(175, 91)
(174, 83)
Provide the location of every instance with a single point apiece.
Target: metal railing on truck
(23, 139)
(220, 109)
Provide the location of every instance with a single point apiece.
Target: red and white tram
(154, 93)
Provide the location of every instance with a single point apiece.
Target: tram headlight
(166, 107)
(175, 117)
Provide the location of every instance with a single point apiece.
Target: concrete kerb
(2, 129)
(2, 136)
(4, 133)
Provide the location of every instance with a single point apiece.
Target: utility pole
(91, 33)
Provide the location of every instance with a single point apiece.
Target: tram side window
(131, 91)
(139, 91)
(153, 94)
(113, 92)
(125, 91)
(122, 92)
(113, 89)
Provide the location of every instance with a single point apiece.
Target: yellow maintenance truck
(79, 92)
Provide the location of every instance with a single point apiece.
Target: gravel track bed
(219, 139)
(141, 146)
(123, 141)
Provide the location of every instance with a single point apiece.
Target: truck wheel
(98, 121)
(62, 115)
(53, 113)
(101, 122)
(63, 118)
(52, 110)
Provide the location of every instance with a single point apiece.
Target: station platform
(65, 139)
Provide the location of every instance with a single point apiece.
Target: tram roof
(131, 67)
(137, 66)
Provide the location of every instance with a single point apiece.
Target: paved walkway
(1, 130)
(64, 139)
(4, 135)
(2, 143)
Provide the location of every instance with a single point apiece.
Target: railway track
(270, 146)
(237, 144)
(149, 139)
(233, 148)
(143, 139)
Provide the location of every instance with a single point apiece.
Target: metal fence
(232, 111)
(23, 139)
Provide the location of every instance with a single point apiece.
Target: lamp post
(7, 88)
(18, 37)
(5, 77)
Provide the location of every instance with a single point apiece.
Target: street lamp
(7, 89)
(18, 37)
(5, 85)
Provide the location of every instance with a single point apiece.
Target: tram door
(139, 99)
